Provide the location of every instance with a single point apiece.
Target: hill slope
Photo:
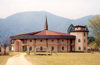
(25, 22)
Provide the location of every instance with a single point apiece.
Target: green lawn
(66, 59)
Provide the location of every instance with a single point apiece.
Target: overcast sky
(66, 8)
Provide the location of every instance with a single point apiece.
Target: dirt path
(18, 60)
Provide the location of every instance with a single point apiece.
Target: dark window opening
(52, 40)
(30, 48)
(40, 40)
(52, 48)
(23, 41)
(30, 40)
(79, 48)
(63, 48)
(24, 48)
(62, 40)
(79, 40)
(41, 48)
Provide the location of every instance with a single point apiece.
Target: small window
(23, 41)
(52, 48)
(52, 40)
(62, 47)
(62, 40)
(79, 40)
(40, 40)
(41, 48)
(30, 40)
(30, 48)
(84, 34)
(79, 48)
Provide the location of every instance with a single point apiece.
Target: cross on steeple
(46, 24)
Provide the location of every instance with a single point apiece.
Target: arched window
(30, 48)
(41, 48)
(62, 47)
(79, 40)
(52, 48)
(79, 48)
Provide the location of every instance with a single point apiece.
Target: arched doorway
(16, 46)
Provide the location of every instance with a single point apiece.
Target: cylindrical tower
(81, 34)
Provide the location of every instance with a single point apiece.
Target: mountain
(26, 22)
(1, 19)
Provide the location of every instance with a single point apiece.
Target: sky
(72, 9)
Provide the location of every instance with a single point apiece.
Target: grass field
(66, 59)
(3, 59)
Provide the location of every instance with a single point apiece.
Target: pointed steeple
(46, 24)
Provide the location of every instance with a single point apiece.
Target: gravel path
(18, 60)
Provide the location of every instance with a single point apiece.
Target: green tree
(91, 39)
(94, 24)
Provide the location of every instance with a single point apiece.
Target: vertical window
(41, 48)
(62, 47)
(70, 41)
(40, 40)
(84, 33)
(23, 41)
(62, 40)
(79, 40)
(30, 40)
(52, 48)
(30, 48)
(79, 48)
(52, 40)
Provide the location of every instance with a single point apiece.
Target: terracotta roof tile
(48, 32)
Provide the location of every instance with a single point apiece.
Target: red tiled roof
(48, 32)
(45, 34)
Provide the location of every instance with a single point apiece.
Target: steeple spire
(46, 24)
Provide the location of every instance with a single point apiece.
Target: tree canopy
(94, 24)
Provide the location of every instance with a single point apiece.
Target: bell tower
(81, 34)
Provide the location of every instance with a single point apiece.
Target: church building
(53, 41)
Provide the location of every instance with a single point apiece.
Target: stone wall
(61, 45)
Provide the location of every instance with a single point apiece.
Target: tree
(94, 24)
(91, 39)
